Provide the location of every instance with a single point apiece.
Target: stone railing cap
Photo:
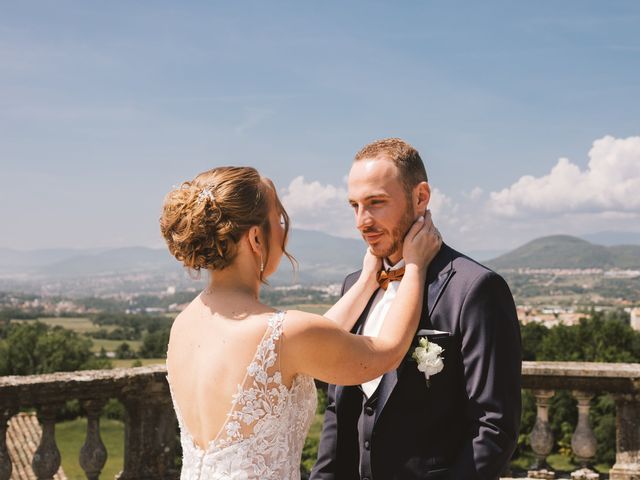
(582, 369)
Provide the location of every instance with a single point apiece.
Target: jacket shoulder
(471, 271)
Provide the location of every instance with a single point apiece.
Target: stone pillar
(583, 441)
(541, 437)
(93, 453)
(150, 435)
(627, 466)
(5, 460)
(46, 459)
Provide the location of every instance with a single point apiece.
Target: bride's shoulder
(186, 313)
(187, 318)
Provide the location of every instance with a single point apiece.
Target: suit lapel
(435, 289)
(438, 276)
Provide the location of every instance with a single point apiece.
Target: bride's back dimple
(207, 360)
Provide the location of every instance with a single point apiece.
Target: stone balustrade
(150, 425)
(585, 380)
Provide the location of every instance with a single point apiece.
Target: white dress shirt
(373, 324)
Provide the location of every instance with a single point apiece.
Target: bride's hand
(422, 242)
(371, 265)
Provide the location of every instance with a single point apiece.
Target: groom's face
(383, 209)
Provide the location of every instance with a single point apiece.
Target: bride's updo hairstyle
(204, 219)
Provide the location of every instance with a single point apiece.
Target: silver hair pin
(206, 194)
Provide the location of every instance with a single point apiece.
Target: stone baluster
(541, 436)
(627, 466)
(583, 441)
(150, 435)
(46, 459)
(93, 453)
(5, 460)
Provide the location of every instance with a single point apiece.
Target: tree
(124, 351)
(604, 337)
(33, 348)
(532, 335)
(154, 345)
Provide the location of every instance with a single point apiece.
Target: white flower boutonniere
(429, 358)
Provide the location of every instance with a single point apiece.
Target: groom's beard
(397, 235)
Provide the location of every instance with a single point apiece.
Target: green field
(78, 324)
(111, 345)
(118, 363)
(84, 326)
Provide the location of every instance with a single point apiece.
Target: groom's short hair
(407, 160)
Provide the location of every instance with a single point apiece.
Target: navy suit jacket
(464, 424)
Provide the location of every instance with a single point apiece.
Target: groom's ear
(421, 197)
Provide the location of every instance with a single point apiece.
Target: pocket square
(425, 332)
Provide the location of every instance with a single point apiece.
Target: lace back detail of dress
(261, 393)
(266, 426)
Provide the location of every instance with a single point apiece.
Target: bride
(240, 372)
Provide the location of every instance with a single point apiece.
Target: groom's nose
(363, 219)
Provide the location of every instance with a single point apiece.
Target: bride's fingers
(417, 226)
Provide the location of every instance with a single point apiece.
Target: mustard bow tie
(384, 277)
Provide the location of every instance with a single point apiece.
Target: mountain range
(564, 251)
(321, 257)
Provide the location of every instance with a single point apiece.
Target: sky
(526, 114)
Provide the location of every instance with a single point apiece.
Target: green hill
(564, 251)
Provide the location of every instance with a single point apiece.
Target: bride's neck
(235, 280)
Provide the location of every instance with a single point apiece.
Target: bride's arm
(318, 347)
(346, 311)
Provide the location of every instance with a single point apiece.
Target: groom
(461, 424)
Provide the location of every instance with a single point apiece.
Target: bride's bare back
(209, 351)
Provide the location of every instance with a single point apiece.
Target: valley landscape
(114, 307)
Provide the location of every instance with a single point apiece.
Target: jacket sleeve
(325, 467)
(492, 354)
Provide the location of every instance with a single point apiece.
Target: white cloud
(603, 196)
(476, 193)
(313, 206)
(610, 183)
(440, 204)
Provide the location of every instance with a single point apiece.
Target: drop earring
(261, 264)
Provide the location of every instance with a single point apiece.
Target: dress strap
(276, 322)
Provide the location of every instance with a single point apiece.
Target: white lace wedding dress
(266, 426)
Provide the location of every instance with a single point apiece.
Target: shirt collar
(388, 266)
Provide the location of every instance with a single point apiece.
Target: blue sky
(105, 105)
